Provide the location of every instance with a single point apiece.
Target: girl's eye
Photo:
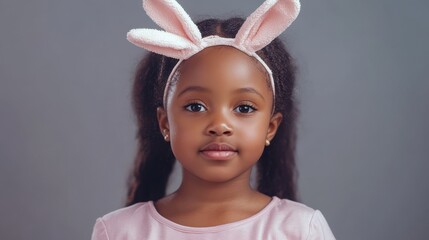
(195, 107)
(245, 108)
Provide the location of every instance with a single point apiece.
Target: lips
(218, 151)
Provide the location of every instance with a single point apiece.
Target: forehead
(225, 66)
(223, 59)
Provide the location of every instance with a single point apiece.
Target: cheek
(183, 135)
(252, 128)
(254, 133)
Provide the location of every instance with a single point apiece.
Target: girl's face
(219, 114)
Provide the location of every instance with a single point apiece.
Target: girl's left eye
(195, 107)
(245, 108)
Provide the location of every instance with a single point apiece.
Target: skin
(221, 96)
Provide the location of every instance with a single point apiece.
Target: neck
(197, 190)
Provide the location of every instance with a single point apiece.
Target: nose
(220, 130)
(219, 125)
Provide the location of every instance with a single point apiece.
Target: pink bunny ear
(169, 15)
(182, 37)
(267, 23)
(163, 43)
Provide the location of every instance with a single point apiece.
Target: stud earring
(267, 142)
(165, 134)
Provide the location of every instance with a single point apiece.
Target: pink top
(280, 219)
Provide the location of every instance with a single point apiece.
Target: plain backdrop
(67, 132)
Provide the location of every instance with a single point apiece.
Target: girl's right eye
(195, 107)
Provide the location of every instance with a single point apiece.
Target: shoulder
(300, 220)
(126, 213)
(293, 210)
(119, 222)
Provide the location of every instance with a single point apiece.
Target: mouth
(218, 151)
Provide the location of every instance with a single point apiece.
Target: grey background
(67, 129)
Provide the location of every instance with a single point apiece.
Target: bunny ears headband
(182, 38)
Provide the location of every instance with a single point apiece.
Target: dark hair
(154, 159)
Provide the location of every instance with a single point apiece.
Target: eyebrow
(193, 89)
(249, 90)
(203, 89)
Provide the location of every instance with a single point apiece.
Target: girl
(224, 106)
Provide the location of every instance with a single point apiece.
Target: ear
(267, 23)
(182, 37)
(161, 114)
(161, 42)
(169, 15)
(275, 121)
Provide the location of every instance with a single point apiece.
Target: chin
(220, 176)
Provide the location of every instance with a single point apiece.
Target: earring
(165, 134)
(267, 142)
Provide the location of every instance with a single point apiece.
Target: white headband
(182, 38)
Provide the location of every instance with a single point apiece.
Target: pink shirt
(280, 219)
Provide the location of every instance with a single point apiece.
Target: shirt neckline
(218, 228)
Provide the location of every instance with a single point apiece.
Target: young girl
(218, 98)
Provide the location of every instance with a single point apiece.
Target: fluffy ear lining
(169, 15)
(267, 23)
(161, 42)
